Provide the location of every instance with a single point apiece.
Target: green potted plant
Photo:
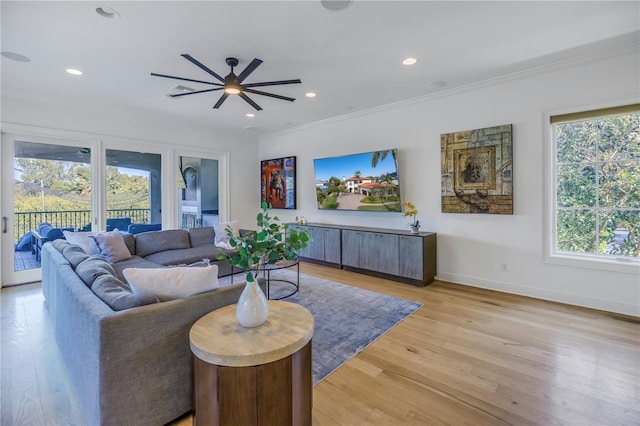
(273, 242)
(252, 252)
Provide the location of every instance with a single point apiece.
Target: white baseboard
(569, 299)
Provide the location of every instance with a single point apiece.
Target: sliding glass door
(46, 190)
(62, 185)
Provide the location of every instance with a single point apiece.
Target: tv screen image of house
(366, 181)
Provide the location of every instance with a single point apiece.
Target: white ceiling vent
(175, 90)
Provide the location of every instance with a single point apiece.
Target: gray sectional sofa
(128, 354)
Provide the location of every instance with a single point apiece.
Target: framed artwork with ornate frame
(278, 182)
(477, 171)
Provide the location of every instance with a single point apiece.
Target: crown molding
(628, 44)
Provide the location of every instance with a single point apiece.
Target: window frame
(620, 264)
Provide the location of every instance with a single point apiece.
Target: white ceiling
(351, 58)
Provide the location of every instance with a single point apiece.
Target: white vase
(252, 309)
(415, 230)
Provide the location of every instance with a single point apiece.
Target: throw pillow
(222, 238)
(82, 239)
(112, 246)
(172, 283)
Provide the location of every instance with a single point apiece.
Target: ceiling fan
(232, 84)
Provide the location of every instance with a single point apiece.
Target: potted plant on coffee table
(273, 242)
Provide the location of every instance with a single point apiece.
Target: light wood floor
(468, 356)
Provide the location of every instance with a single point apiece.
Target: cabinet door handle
(4, 224)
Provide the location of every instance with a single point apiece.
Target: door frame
(223, 180)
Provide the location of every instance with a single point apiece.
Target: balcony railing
(72, 219)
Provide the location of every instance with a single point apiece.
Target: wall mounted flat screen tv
(366, 182)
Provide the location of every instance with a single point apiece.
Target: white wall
(137, 129)
(472, 247)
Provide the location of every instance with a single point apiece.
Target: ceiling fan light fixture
(232, 90)
(232, 83)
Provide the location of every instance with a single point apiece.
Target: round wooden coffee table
(251, 376)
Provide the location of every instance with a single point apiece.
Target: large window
(597, 184)
(133, 189)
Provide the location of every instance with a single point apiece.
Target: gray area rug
(347, 319)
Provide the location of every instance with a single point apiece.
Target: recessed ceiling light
(310, 95)
(250, 114)
(409, 61)
(74, 71)
(15, 56)
(107, 12)
(336, 4)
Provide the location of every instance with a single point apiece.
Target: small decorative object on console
(413, 213)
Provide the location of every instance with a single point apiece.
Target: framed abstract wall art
(477, 171)
(278, 182)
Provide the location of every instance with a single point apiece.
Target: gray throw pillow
(114, 293)
(112, 246)
(93, 267)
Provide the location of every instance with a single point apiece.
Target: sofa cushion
(130, 241)
(201, 236)
(83, 240)
(74, 254)
(153, 242)
(135, 262)
(117, 295)
(222, 238)
(186, 256)
(60, 244)
(93, 267)
(136, 228)
(173, 283)
(112, 246)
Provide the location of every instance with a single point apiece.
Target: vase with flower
(412, 212)
(252, 252)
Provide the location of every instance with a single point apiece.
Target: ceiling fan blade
(258, 92)
(249, 69)
(197, 91)
(250, 101)
(185, 79)
(272, 83)
(201, 66)
(221, 100)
